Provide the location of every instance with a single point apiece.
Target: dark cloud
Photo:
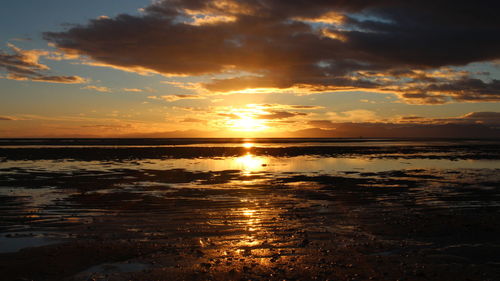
(483, 115)
(465, 89)
(412, 118)
(25, 65)
(318, 45)
(488, 118)
(471, 125)
(384, 130)
(58, 79)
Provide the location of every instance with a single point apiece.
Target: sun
(248, 119)
(247, 124)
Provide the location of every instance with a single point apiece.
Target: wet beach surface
(251, 212)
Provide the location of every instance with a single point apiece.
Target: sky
(249, 68)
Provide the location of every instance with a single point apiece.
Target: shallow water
(15, 241)
(253, 211)
(250, 163)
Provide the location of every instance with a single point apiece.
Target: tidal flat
(250, 210)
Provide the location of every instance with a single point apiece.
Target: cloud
(485, 117)
(385, 130)
(322, 124)
(98, 89)
(172, 98)
(365, 116)
(193, 120)
(466, 89)
(112, 127)
(229, 115)
(264, 112)
(280, 115)
(357, 115)
(187, 108)
(277, 106)
(135, 90)
(24, 65)
(7, 118)
(471, 125)
(404, 47)
(306, 107)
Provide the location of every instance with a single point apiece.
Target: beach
(250, 209)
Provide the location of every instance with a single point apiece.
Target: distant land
(339, 130)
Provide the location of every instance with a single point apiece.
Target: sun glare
(248, 145)
(247, 124)
(250, 118)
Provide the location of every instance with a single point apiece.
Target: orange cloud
(135, 90)
(172, 98)
(98, 89)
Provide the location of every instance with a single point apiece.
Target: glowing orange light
(250, 163)
(247, 124)
(248, 145)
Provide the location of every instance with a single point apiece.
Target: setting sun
(247, 124)
(246, 119)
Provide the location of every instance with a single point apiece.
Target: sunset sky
(249, 68)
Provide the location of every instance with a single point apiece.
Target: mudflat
(303, 210)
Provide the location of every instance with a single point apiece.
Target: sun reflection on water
(253, 243)
(248, 212)
(248, 145)
(250, 163)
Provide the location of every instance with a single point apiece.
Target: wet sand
(426, 212)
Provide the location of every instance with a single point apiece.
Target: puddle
(13, 242)
(102, 270)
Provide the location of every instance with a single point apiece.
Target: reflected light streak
(250, 164)
(248, 212)
(248, 145)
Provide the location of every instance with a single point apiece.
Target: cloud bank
(471, 125)
(410, 48)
